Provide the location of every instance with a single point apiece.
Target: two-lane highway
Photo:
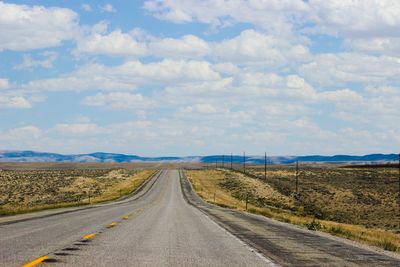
(158, 229)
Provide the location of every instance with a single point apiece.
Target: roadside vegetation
(354, 203)
(24, 191)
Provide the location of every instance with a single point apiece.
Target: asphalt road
(289, 245)
(155, 228)
(167, 224)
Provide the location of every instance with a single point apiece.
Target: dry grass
(32, 190)
(233, 188)
(362, 196)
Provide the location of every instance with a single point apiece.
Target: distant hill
(32, 156)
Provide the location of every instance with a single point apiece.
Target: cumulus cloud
(107, 8)
(118, 100)
(342, 95)
(35, 27)
(360, 18)
(330, 69)
(115, 43)
(4, 83)
(252, 46)
(127, 76)
(87, 7)
(384, 45)
(21, 133)
(275, 16)
(14, 101)
(77, 128)
(46, 61)
(249, 47)
(187, 46)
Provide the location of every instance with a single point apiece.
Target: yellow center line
(89, 236)
(35, 261)
(112, 224)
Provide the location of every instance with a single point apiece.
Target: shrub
(388, 245)
(314, 225)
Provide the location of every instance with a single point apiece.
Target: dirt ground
(25, 190)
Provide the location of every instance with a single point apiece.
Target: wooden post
(247, 199)
(231, 161)
(265, 167)
(244, 162)
(297, 177)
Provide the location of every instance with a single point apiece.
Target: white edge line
(261, 256)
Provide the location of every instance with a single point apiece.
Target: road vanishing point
(166, 224)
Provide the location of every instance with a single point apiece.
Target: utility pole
(223, 161)
(297, 177)
(244, 162)
(265, 167)
(231, 161)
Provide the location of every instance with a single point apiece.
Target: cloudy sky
(187, 77)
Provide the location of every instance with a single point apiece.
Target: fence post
(297, 177)
(265, 167)
(247, 199)
(244, 162)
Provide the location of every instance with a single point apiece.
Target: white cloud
(107, 8)
(298, 87)
(118, 100)
(248, 47)
(46, 62)
(343, 95)
(13, 101)
(115, 43)
(25, 27)
(202, 108)
(357, 18)
(22, 133)
(275, 16)
(4, 83)
(127, 76)
(77, 128)
(252, 46)
(87, 7)
(226, 68)
(334, 69)
(187, 46)
(386, 46)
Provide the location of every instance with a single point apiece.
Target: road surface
(160, 229)
(166, 224)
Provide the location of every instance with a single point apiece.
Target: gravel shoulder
(286, 244)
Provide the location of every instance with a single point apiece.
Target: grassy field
(37, 189)
(340, 201)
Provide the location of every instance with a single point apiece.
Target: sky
(187, 77)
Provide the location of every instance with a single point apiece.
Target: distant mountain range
(32, 156)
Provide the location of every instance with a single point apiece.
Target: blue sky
(186, 77)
